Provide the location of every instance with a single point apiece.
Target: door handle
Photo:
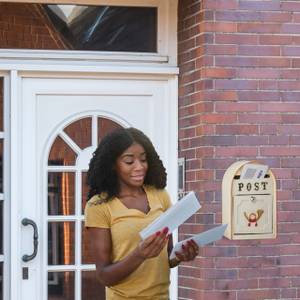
(27, 257)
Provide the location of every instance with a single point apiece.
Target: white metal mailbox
(248, 205)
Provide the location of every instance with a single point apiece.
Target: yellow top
(151, 279)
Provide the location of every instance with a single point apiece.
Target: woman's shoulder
(153, 189)
(97, 199)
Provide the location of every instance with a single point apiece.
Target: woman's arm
(110, 273)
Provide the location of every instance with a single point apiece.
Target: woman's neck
(130, 191)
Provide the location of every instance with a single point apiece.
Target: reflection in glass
(61, 154)
(91, 288)
(1, 280)
(1, 166)
(84, 192)
(61, 243)
(1, 104)
(105, 28)
(88, 256)
(61, 193)
(105, 126)
(1, 227)
(61, 286)
(81, 132)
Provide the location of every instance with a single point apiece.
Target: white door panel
(47, 107)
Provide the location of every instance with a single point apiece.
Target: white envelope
(254, 171)
(202, 239)
(174, 216)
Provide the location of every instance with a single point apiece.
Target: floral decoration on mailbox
(249, 201)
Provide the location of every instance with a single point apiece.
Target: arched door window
(70, 263)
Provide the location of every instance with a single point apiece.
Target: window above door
(128, 30)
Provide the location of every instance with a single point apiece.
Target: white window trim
(6, 257)
(166, 36)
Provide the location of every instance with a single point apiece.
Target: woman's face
(132, 166)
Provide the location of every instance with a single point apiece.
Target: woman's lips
(138, 178)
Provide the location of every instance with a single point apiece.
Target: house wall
(239, 94)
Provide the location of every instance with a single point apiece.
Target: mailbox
(248, 205)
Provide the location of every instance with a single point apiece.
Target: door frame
(70, 72)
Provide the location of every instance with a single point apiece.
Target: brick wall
(239, 99)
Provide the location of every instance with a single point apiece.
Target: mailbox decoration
(249, 201)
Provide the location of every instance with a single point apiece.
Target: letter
(264, 184)
(241, 185)
(249, 187)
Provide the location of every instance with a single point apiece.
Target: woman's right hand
(153, 245)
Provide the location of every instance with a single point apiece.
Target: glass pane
(105, 28)
(1, 104)
(105, 126)
(84, 191)
(61, 286)
(1, 227)
(81, 132)
(61, 193)
(1, 280)
(88, 256)
(61, 243)
(1, 166)
(61, 154)
(91, 288)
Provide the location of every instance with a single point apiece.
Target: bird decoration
(252, 218)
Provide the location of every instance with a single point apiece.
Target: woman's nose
(138, 165)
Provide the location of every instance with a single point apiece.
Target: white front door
(61, 122)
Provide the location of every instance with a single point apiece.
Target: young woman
(127, 180)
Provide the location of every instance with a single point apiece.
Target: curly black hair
(102, 177)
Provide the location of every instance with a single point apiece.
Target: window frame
(166, 36)
(5, 196)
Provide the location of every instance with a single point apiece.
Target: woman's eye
(128, 162)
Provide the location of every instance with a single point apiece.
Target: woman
(127, 180)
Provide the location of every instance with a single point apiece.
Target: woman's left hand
(189, 251)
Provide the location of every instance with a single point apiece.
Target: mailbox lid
(253, 214)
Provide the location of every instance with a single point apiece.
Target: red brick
(259, 50)
(252, 140)
(220, 4)
(238, 39)
(259, 5)
(290, 28)
(221, 49)
(258, 28)
(219, 118)
(227, 84)
(280, 107)
(258, 73)
(275, 39)
(218, 27)
(236, 107)
(259, 294)
(220, 95)
(237, 151)
(218, 73)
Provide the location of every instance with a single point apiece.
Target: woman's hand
(153, 245)
(189, 251)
